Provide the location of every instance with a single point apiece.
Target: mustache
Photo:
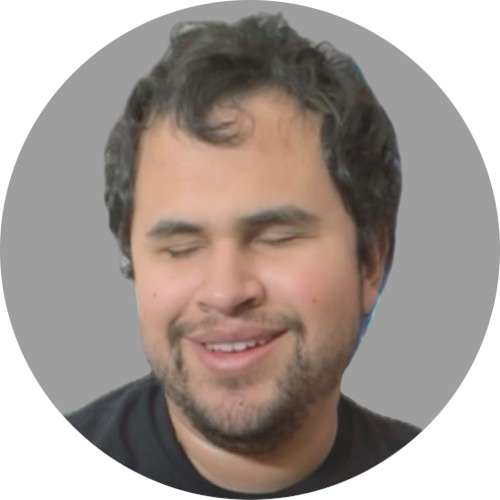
(182, 328)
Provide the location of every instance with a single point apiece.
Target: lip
(236, 362)
(241, 334)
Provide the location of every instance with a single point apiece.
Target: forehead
(278, 161)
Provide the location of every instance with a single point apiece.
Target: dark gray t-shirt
(132, 425)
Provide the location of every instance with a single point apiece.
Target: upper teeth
(234, 346)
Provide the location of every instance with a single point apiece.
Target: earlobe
(373, 274)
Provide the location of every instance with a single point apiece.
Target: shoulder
(100, 419)
(386, 434)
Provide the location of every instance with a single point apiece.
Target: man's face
(248, 286)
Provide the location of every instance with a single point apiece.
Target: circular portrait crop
(256, 231)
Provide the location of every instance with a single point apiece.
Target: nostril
(232, 302)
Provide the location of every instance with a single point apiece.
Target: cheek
(160, 298)
(320, 293)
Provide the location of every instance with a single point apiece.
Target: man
(252, 184)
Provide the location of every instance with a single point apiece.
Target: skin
(303, 278)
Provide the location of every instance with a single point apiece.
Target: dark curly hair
(209, 62)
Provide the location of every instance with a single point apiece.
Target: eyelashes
(181, 252)
(276, 240)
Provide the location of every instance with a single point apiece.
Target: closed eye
(277, 240)
(181, 252)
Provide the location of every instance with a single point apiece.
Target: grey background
(75, 316)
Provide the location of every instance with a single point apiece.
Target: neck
(292, 461)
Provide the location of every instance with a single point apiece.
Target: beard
(249, 427)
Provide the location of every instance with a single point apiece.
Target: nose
(230, 284)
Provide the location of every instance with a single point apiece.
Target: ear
(372, 273)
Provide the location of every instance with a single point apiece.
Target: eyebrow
(286, 216)
(165, 228)
(279, 216)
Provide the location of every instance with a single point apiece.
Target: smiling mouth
(232, 357)
(229, 347)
